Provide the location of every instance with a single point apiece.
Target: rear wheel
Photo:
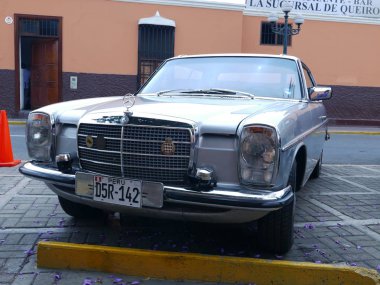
(275, 230)
(78, 210)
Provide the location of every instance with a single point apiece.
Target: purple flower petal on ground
(358, 247)
(117, 280)
(57, 276)
(353, 264)
(279, 257)
(318, 261)
(135, 282)
(378, 268)
(61, 222)
(29, 252)
(87, 281)
(339, 224)
(257, 255)
(309, 226)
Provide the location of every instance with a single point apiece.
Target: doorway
(38, 61)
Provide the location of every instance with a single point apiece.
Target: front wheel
(78, 210)
(275, 230)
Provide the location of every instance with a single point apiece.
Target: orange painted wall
(100, 36)
(337, 53)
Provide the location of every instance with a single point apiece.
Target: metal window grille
(268, 37)
(39, 27)
(156, 43)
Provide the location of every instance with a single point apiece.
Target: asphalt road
(352, 149)
(340, 149)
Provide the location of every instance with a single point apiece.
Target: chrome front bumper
(229, 197)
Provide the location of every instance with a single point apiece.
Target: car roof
(238, 55)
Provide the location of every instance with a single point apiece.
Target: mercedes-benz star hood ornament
(128, 102)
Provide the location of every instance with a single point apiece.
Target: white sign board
(369, 9)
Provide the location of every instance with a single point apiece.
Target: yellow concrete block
(188, 266)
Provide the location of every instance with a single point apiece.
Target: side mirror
(317, 93)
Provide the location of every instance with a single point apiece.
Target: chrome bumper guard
(225, 196)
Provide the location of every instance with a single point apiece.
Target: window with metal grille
(156, 43)
(268, 37)
(39, 27)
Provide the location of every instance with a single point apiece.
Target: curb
(354, 133)
(188, 266)
(16, 122)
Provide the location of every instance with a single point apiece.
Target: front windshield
(259, 76)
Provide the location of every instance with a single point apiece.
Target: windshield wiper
(172, 91)
(211, 91)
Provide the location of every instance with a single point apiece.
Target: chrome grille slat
(141, 156)
(154, 147)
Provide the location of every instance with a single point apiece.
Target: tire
(276, 230)
(317, 170)
(78, 210)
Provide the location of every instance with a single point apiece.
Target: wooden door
(44, 73)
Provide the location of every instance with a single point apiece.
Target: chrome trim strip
(132, 166)
(121, 151)
(264, 196)
(158, 127)
(100, 150)
(301, 137)
(99, 162)
(133, 153)
(157, 155)
(108, 138)
(150, 167)
(154, 141)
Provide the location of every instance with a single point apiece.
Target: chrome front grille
(141, 156)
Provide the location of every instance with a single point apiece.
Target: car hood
(209, 115)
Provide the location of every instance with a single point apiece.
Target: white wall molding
(191, 3)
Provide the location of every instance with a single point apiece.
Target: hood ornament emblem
(128, 102)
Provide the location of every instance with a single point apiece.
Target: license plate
(117, 191)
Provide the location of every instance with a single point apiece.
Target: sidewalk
(337, 222)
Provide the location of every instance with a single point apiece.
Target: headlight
(39, 136)
(258, 155)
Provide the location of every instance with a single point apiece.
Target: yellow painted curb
(16, 122)
(354, 133)
(188, 266)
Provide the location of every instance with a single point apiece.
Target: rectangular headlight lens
(258, 155)
(39, 136)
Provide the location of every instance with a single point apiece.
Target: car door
(319, 123)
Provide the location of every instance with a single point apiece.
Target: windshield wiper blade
(218, 91)
(208, 92)
(172, 91)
